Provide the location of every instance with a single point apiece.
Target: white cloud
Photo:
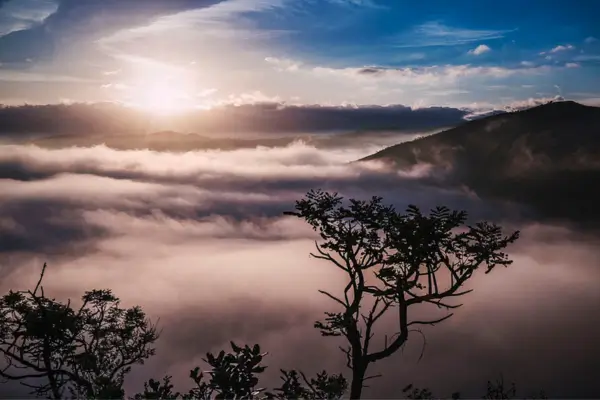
(359, 3)
(531, 102)
(113, 72)
(572, 65)
(206, 92)
(116, 86)
(482, 48)
(284, 64)
(590, 39)
(425, 75)
(39, 76)
(252, 98)
(562, 48)
(435, 33)
(222, 20)
(390, 85)
(449, 92)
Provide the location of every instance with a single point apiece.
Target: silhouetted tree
(412, 392)
(54, 348)
(500, 390)
(234, 375)
(410, 255)
(324, 386)
(495, 390)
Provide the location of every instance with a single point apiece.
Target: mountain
(547, 157)
(183, 142)
(228, 120)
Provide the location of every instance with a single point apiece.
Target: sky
(167, 56)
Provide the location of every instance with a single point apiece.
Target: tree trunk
(358, 375)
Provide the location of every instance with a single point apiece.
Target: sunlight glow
(162, 89)
(162, 97)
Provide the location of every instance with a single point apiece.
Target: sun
(161, 96)
(160, 88)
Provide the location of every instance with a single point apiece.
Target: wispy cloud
(25, 76)
(284, 64)
(416, 76)
(572, 65)
(482, 48)
(437, 34)
(221, 19)
(559, 48)
(359, 3)
(24, 14)
(590, 39)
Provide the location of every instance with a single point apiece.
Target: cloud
(435, 33)
(116, 86)
(482, 48)
(53, 189)
(8, 75)
(217, 18)
(572, 65)
(590, 39)
(560, 48)
(284, 64)
(359, 3)
(80, 20)
(198, 240)
(24, 14)
(429, 75)
(531, 102)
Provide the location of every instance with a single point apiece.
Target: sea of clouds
(199, 240)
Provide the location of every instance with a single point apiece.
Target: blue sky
(173, 54)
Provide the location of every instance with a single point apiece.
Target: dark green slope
(547, 157)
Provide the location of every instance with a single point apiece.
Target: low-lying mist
(198, 239)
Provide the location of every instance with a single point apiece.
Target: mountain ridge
(547, 157)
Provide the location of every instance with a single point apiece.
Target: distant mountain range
(227, 120)
(547, 157)
(183, 142)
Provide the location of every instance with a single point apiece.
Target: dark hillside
(547, 157)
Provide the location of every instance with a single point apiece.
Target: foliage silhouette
(495, 390)
(85, 351)
(234, 375)
(409, 255)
